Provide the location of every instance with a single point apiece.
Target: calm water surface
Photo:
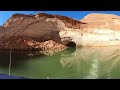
(72, 63)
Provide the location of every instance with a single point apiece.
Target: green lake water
(72, 63)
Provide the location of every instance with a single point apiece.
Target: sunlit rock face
(31, 32)
(102, 29)
(96, 30)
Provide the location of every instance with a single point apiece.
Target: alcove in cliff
(71, 44)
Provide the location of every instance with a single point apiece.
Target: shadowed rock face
(54, 33)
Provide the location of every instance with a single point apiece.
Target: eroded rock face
(18, 19)
(102, 21)
(36, 32)
(52, 33)
(96, 30)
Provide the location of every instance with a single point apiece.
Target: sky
(4, 15)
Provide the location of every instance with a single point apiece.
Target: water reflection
(93, 62)
(74, 63)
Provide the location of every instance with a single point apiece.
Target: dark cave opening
(71, 44)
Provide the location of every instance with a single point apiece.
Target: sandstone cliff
(51, 33)
(97, 30)
(36, 32)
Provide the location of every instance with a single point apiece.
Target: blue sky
(4, 15)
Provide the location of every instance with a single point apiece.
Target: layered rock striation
(54, 32)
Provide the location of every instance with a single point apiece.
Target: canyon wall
(54, 32)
